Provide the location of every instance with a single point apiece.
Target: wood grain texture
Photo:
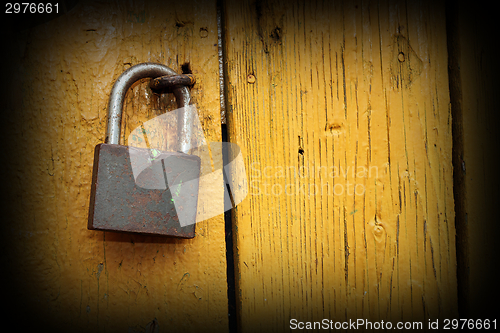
(342, 112)
(56, 106)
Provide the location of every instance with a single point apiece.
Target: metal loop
(120, 88)
(168, 83)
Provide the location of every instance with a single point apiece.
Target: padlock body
(120, 201)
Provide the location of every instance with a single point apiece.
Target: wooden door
(342, 112)
(66, 277)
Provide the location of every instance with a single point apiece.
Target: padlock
(118, 202)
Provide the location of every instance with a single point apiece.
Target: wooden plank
(342, 112)
(473, 91)
(61, 75)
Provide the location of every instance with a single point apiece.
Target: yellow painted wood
(59, 83)
(342, 112)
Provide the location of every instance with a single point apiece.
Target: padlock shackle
(117, 99)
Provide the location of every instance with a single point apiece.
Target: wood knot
(251, 78)
(333, 128)
(276, 34)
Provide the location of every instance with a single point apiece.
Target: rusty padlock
(117, 201)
